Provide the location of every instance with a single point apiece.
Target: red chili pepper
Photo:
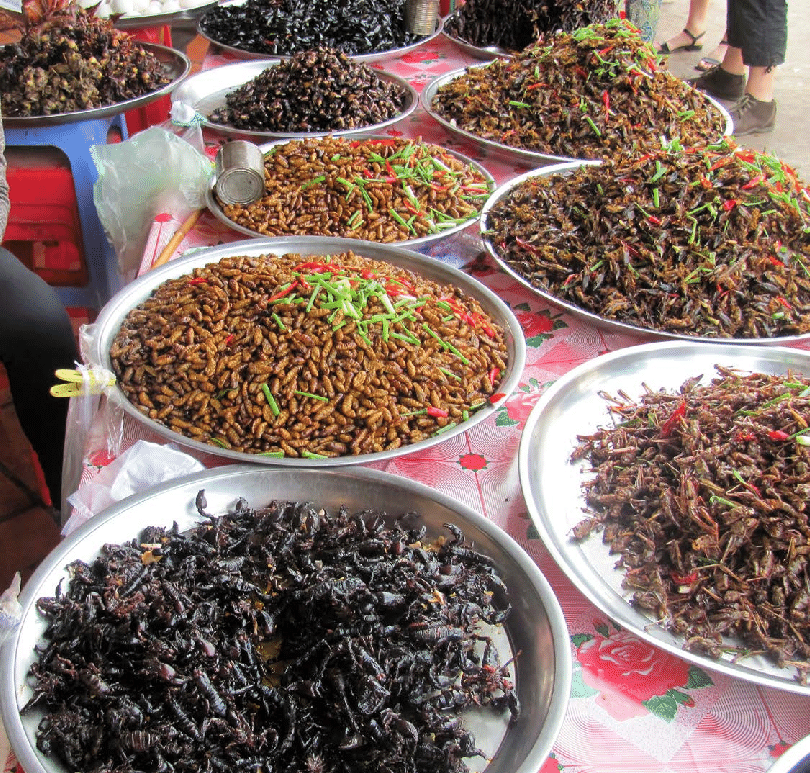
(381, 142)
(673, 420)
(654, 220)
(229, 340)
(390, 169)
(493, 375)
(198, 280)
(778, 434)
(776, 261)
(684, 579)
(722, 161)
(784, 302)
(536, 86)
(319, 268)
(526, 246)
(283, 293)
(753, 181)
(606, 100)
(705, 183)
(496, 396)
(729, 204)
(438, 413)
(743, 436)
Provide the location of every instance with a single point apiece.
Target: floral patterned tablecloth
(634, 708)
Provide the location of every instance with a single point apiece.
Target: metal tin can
(421, 16)
(239, 172)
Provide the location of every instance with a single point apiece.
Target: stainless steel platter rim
(579, 561)
(418, 243)
(577, 311)
(255, 67)
(426, 99)
(112, 315)
(527, 573)
(376, 56)
(128, 22)
(799, 752)
(429, 92)
(168, 56)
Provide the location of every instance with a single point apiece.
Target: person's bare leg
(695, 23)
(760, 83)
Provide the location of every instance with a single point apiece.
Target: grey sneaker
(720, 83)
(752, 116)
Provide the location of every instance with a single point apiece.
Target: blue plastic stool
(74, 140)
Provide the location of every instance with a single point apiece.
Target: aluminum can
(421, 16)
(239, 172)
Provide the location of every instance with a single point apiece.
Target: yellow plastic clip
(84, 381)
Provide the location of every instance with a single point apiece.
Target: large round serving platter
(176, 66)
(115, 310)
(590, 317)
(422, 242)
(375, 56)
(134, 21)
(535, 631)
(477, 52)
(207, 90)
(539, 159)
(552, 484)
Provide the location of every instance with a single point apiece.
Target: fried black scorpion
(274, 639)
(703, 493)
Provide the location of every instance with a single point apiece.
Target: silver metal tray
(552, 484)
(133, 22)
(419, 243)
(536, 628)
(176, 66)
(112, 315)
(540, 159)
(207, 90)
(426, 100)
(372, 57)
(602, 322)
(477, 52)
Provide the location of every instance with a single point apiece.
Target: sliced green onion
(271, 401)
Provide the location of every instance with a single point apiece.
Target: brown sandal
(665, 50)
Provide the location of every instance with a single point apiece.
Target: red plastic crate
(44, 228)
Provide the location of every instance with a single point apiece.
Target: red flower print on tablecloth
(520, 404)
(474, 462)
(420, 56)
(537, 325)
(632, 677)
(551, 765)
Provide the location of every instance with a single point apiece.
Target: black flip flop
(708, 62)
(665, 50)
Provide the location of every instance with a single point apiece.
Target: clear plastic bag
(154, 171)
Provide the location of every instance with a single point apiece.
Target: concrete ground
(789, 140)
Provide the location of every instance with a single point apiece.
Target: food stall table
(633, 706)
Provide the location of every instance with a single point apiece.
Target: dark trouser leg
(36, 338)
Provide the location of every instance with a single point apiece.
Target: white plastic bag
(10, 609)
(154, 171)
(142, 466)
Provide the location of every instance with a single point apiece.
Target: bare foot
(683, 41)
(714, 58)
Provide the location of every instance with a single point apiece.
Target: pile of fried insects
(703, 493)
(282, 638)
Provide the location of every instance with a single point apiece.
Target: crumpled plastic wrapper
(141, 467)
(10, 609)
(154, 171)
